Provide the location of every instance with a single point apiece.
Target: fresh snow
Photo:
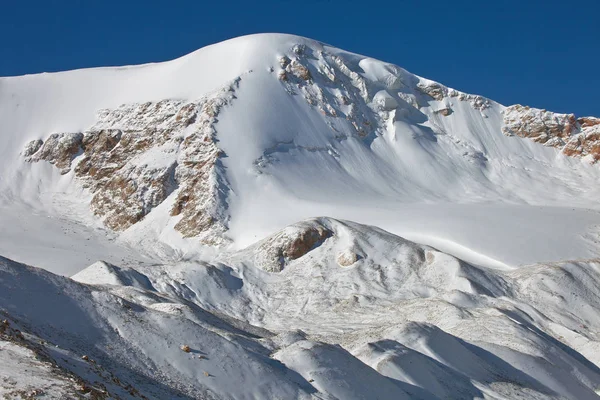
(385, 240)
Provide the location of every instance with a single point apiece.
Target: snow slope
(359, 139)
(401, 321)
(306, 222)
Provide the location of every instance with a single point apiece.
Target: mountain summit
(241, 138)
(302, 220)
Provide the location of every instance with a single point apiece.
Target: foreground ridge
(404, 320)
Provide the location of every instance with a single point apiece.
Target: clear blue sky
(540, 53)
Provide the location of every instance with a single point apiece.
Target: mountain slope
(401, 321)
(272, 217)
(226, 141)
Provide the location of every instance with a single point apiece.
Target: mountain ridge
(381, 134)
(272, 217)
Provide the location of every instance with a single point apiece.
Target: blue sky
(540, 53)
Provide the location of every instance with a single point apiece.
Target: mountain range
(272, 217)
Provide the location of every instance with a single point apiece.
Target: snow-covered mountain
(469, 270)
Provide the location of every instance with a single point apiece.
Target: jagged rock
(348, 99)
(438, 92)
(98, 161)
(337, 91)
(290, 244)
(32, 147)
(327, 70)
(574, 137)
(538, 125)
(588, 122)
(202, 187)
(433, 89)
(355, 79)
(136, 155)
(131, 193)
(59, 149)
(478, 102)
(587, 143)
(4, 326)
(299, 70)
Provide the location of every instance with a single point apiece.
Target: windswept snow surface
(401, 321)
(439, 179)
(454, 262)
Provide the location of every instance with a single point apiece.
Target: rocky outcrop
(329, 85)
(575, 137)
(32, 147)
(539, 125)
(202, 195)
(433, 89)
(58, 149)
(333, 86)
(439, 92)
(587, 142)
(136, 155)
(292, 243)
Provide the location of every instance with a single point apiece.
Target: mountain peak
(199, 148)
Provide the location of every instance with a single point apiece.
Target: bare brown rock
(60, 149)
(202, 187)
(433, 89)
(588, 122)
(538, 125)
(575, 137)
(299, 70)
(438, 92)
(291, 244)
(305, 241)
(351, 88)
(135, 156)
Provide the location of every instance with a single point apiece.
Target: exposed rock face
(202, 193)
(440, 92)
(331, 84)
(326, 83)
(59, 149)
(435, 90)
(574, 137)
(539, 125)
(32, 147)
(135, 156)
(293, 242)
(587, 142)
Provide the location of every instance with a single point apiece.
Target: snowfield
(274, 218)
